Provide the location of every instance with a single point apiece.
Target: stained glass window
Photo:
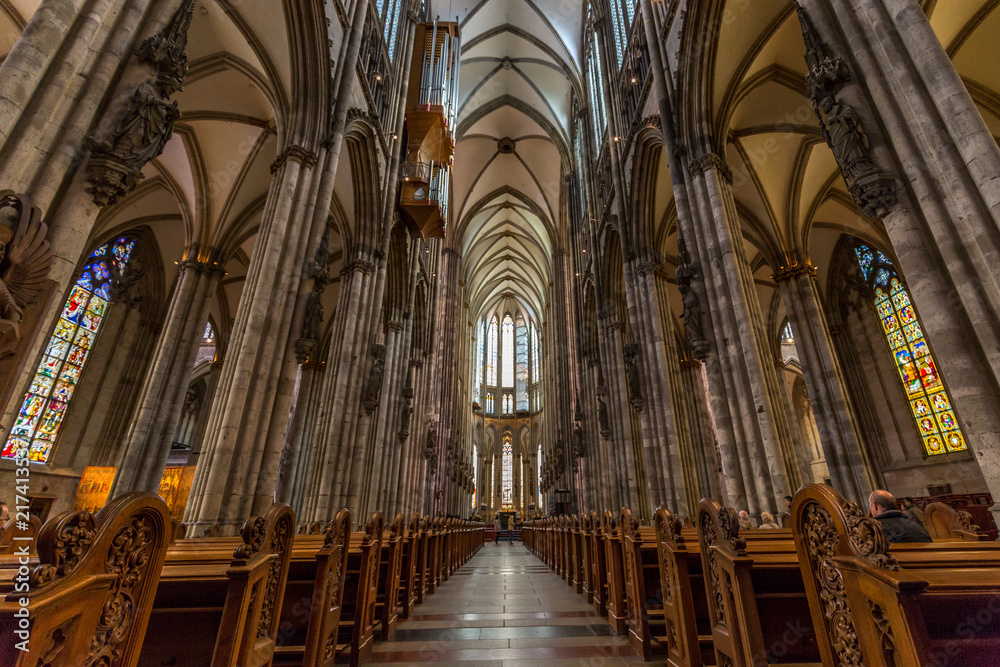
(475, 485)
(477, 386)
(929, 400)
(208, 338)
(58, 374)
(521, 369)
(622, 15)
(536, 357)
(489, 402)
(390, 11)
(491, 354)
(507, 481)
(539, 477)
(595, 80)
(786, 334)
(507, 348)
(507, 404)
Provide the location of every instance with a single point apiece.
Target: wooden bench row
(112, 589)
(826, 591)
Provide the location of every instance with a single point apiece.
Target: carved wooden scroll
(92, 592)
(257, 578)
(328, 597)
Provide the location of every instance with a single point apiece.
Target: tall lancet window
(475, 477)
(507, 478)
(539, 477)
(491, 353)
(930, 402)
(480, 340)
(536, 356)
(58, 374)
(521, 370)
(622, 15)
(595, 86)
(390, 11)
(507, 347)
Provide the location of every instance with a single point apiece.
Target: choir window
(507, 482)
(491, 354)
(930, 402)
(58, 374)
(507, 347)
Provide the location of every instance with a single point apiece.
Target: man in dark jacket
(897, 526)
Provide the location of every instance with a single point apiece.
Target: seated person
(745, 523)
(767, 520)
(898, 526)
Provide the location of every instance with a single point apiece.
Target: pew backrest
(945, 524)
(249, 626)
(91, 593)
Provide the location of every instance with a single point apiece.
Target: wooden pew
(389, 574)
(408, 596)
(945, 524)
(423, 577)
(641, 569)
(687, 636)
(616, 611)
(598, 565)
(229, 611)
(313, 600)
(90, 594)
(13, 539)
(586, 568)
(756, 602)
(919, 604)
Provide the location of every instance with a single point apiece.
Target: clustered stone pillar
(62, 78)
(825, 384)
(941, 204)
(156, 420)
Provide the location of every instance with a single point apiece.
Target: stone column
(155, 423)
(74, 68)
(749, 390)
(932, 176)
(845, 458)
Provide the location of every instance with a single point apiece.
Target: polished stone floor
(505, 608)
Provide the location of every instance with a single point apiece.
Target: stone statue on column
(312, 322)
(633, 376)
(693, 326)
(602, 414)
(373, 385)
(115, 167)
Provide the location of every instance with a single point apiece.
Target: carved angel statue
(25, 258)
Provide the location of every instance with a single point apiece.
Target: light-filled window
(491, 353)
(57, 376)
(475, 482)
(507, 479)
(507, 348)
(595, 85)
(930, 402)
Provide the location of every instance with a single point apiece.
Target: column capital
(687, 364)
(300, 154)
(793, 271)
(708, 161)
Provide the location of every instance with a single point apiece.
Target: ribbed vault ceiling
(520, 63)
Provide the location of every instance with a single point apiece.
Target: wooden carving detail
(61, 547)
(884, 629)
(128, 558)
(829, 526)
(281, 534)
(123, 547)
(718, 527)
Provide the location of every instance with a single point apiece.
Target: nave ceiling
(520, 65)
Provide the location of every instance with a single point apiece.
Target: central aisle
(505, 607)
